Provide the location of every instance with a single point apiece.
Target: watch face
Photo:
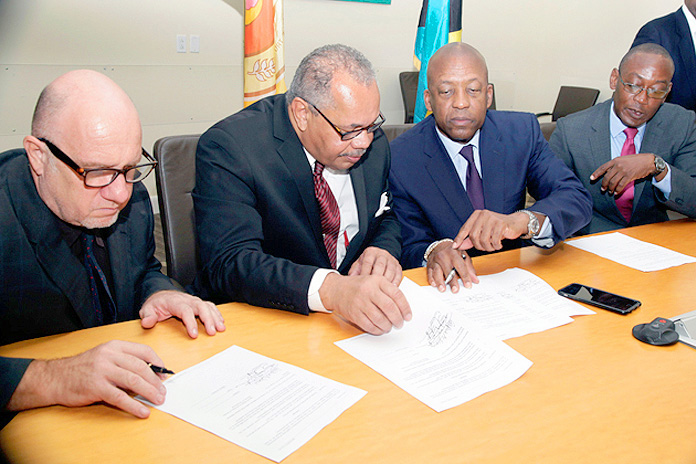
(660, 164)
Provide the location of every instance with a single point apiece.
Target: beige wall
(532, 48)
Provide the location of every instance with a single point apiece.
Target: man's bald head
(452, 52)
(95, 124)
(89, 96)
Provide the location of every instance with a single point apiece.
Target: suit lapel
(357, 178)
(52, 253)
(443, 174)
(293, 155)
(600, 151)
(118, 244)
(493, 177)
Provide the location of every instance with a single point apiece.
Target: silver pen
(449, 277)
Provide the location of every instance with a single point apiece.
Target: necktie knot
(467, 152)
(318, 168)
(630, 133)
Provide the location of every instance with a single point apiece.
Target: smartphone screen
(599, 298)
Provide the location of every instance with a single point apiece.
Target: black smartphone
(605, 300)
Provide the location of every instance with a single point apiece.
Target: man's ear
(426, 100)
(489, 96)
(613, 79)
(299, 111)
(38, 159)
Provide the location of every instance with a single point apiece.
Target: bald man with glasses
(292, 204)
(635, 154)
(77, 251)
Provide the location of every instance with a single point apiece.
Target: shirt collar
(616, 126)
(453, 147)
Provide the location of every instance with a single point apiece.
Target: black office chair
(570, 100)
(176, 176)
(408, 81)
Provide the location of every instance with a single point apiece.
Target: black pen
(159, 370)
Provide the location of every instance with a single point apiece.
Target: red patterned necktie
(328, 211)
(625, 201)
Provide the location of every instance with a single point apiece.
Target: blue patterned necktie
(102, 301)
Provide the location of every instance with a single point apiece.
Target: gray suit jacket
(582, 141)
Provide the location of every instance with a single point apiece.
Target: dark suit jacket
(258, 219)
(672, 32)
(44, 288)
(430, 200)
(582, 141)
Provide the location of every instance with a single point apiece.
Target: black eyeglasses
(348, 135)
(101, 177)
(635, 89)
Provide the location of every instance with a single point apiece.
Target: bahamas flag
(264, 49)
(440, 23)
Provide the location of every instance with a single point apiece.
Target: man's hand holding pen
(447, 265)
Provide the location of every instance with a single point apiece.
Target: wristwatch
(533, 225)
(660, 166)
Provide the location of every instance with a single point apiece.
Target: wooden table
(594, 393)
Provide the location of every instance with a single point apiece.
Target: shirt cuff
(313, 299)
(544, 238)
(665, 185)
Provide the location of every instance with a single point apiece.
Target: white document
(632, 252)
(266, 406)
(510, 304)
(439, 357)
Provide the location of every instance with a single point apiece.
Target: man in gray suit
(635, 153)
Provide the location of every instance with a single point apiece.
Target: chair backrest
(547, 129)
(392, 131)
(573, 99)
(176, 176)
(408, 80)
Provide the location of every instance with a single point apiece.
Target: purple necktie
(328, 212)
(474, 186)
(625, 201)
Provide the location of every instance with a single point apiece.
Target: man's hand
(104, 373)
(371, 302)
(376, 261)
(167, 303)
(621, 171)
(443, 259)
(485, 230)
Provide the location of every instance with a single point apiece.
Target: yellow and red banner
(264, 49)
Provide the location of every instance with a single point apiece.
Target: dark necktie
(625, 201)
(328, 211)
(103, 302)
(474, 186)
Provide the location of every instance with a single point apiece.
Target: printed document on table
(632, 252)
(510, 304)
(439, 357)
(266, 406)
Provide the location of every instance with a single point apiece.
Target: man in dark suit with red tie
(635, 154)
(292, 203)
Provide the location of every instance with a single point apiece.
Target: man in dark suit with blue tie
(77, 251)
(460, 176)
(675, 32)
